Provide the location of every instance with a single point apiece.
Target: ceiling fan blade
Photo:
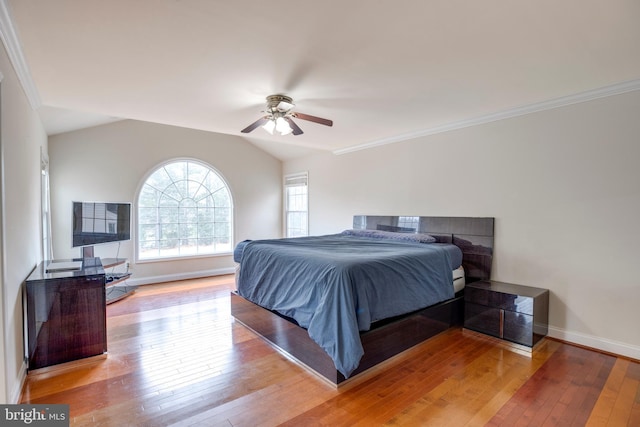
(314, 119)
(255, 124)
(294, 126)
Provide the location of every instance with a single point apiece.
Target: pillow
(380, 234)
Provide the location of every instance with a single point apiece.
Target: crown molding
(9, 37)
(589, 95)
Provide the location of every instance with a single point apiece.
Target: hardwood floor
(176, 357)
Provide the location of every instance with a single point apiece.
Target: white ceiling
(381, 70)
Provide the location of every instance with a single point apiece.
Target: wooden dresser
(515, 313)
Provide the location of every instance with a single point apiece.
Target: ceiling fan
(279, 117)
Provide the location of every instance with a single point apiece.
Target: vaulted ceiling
(383, 71)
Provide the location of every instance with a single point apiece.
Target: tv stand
(116, 287)
(65, 314)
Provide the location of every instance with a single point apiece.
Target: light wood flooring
(177, 357)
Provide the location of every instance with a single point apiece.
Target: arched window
(184, 210)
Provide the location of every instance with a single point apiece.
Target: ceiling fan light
(284, 106)
(282, 126)
(269, 126)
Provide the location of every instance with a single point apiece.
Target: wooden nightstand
(515, 313)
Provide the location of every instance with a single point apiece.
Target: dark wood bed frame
(387, 338)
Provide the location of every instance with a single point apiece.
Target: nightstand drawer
(508, 325)
(518, 328)
(497, 299)
(482, 319)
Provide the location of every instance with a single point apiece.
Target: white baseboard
(17, 390)
(598, 343)
(133, 281)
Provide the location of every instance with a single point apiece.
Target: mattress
(458, 279)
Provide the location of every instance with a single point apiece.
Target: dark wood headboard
(474, 236)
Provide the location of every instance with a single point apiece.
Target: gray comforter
(335, 286)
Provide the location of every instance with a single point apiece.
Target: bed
(325, 302)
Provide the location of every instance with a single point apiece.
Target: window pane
(147, 215)
(147, 232)
(173, 194)
(149, 196)
(222, 231)
(167, 215)
(188, 215)
(167, 200)
(214, 183)
(197, 173)
(221, 198)
(221, 214)
(159, 180)
(168, 231)
(205, 215)
(177, 171)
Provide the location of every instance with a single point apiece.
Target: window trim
(45, 207)
(135, 219)
(290, 178)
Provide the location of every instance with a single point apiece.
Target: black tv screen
(100, 222)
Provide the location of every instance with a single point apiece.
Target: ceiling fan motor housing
(274, 100)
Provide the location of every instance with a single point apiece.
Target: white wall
(563, 185)
(22, 137)
(110, 162)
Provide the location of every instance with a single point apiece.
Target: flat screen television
(100, 222)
